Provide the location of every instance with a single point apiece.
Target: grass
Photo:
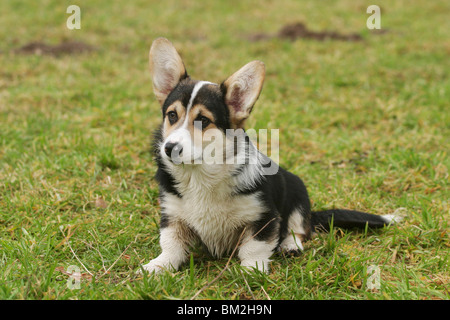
(365, 124)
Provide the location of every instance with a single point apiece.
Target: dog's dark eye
(173, 117)
(205, 121)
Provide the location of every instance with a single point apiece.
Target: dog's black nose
(173, 148)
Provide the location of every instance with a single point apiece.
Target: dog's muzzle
(173, 150)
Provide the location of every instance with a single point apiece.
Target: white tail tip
(396, 217)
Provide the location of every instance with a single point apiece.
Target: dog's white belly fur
(217, 219)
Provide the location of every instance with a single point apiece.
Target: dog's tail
(350, 219)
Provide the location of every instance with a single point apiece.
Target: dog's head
(200, 117)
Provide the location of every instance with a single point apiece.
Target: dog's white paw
(291, 245)
(260, 265)
(155, 266)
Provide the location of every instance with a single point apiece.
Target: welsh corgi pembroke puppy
(216, 188)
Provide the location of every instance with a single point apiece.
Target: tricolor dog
(216, 187)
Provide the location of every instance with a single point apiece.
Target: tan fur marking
(193, 114)
(181, 112)
(200, 109)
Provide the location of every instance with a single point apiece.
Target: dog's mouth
(177, 160)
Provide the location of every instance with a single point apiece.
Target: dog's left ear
(241, 91)
(166, 67)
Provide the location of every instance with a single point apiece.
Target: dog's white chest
(216, 218)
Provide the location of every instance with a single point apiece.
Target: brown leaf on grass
(357, 283)
(100, 203)
(432, 190)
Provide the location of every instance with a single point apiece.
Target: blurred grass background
(364, 123)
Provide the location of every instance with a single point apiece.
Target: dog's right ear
(166, 68)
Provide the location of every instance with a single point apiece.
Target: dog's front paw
(260, 265)
(155, 266)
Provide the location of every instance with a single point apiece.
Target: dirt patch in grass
(64, 48)
(299, 30)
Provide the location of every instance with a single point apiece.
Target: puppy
(215, 187)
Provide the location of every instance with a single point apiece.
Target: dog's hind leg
(296, 232)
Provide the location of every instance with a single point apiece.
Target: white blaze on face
(191, 144)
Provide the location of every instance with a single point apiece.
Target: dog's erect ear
(166, 67)
(242, 90)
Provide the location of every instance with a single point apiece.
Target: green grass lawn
(366, 124)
